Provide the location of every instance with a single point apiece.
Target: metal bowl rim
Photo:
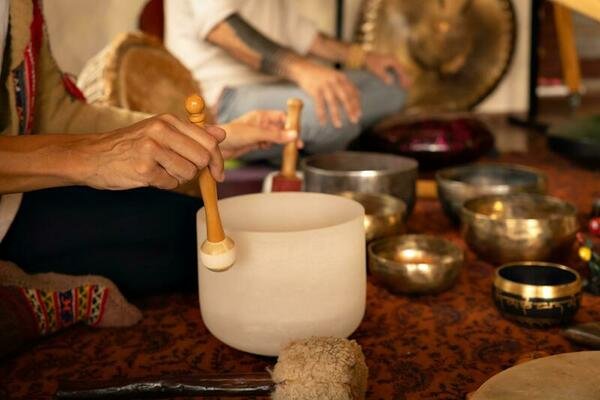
(412, 165)
(398, 204)
(571, 208)
(442, 176)
(454, 255)
(509, 286)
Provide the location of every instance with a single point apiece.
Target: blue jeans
(377, 99)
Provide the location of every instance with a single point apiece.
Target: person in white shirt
(250, 54)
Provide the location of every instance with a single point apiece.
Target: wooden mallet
(217, 252)
(286, 180)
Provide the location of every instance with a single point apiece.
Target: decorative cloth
(37, 305)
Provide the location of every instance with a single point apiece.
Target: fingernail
(222, 177)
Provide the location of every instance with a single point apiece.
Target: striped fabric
(54, 310)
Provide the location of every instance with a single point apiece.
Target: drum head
(136, 72)
(559, 377)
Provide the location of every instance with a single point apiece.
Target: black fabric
(144, 240)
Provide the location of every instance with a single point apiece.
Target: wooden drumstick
(217, 253)
(287, 180)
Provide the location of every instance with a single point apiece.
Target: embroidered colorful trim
(24, 74)
(55, 310)
(72, 88)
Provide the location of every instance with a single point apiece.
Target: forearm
(34, 162)
(251, 47)
(329, 49)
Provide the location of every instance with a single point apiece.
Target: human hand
(254, 130)
(160, 151)
(329, 88)
(383, 65)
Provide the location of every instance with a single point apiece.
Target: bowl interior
(491, 175)
(415, 249)
(537, 274)
(377, 204)
(520, 206)
(286, 212)
(352, 161)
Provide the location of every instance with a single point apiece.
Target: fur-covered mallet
(323, 368)
(217, 253)
(286, 180)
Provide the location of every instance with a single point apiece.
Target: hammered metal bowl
(459, 184)
(415, 264)
(537, 293)
(384, 214)
(518, 227)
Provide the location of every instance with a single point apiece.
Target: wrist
(297, 69)
(76, 161)
(356, 57)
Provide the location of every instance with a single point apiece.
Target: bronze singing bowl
(537, 293)
(518, 227)
(384, 214)
(459, 184)
(415, 264)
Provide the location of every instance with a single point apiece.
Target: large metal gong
(455, 51)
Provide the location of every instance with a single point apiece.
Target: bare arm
(329, 88)
(37, 161)
(251, 47)
(160, 151)
(329, 49)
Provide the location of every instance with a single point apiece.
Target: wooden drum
(138, 73)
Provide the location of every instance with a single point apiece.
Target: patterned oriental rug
(441, 346)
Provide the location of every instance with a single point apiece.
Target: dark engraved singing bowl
(459, 184)
(537, 293)
(455, 52)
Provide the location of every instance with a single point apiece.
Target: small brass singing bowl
(415, 264)
(384, 214)
(537, 294)
(518, 227)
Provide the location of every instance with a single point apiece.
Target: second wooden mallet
(217, 253)
(287, 180)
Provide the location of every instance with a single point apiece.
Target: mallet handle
(208, 187)
(251, 384)
(290, 150)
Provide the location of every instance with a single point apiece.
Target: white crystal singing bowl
(300, 270)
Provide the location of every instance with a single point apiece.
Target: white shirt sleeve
(300, 31)
(208, 13)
